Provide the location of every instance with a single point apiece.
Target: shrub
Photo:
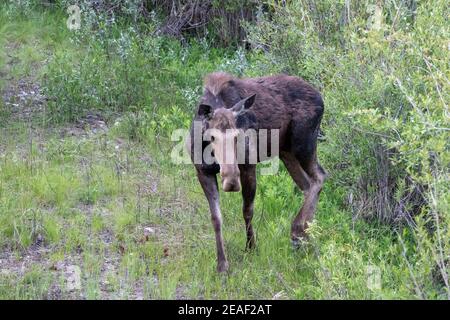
(383, 69)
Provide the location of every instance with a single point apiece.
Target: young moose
(282, 102)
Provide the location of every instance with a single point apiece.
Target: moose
(231, 105)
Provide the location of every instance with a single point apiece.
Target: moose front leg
(209, 185)
(248, 183)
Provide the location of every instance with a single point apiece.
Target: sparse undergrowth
(86, 184)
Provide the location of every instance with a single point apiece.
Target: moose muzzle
(230, 178)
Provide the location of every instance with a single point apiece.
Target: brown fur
(215, 82)
(282, 102)
(223, 120)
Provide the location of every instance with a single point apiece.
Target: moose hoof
(250, 246)
(222, 267)
(298, 242)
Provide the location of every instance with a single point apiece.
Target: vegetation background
(88, 192)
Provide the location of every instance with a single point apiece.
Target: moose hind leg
(248, 183)
(303, 181)
(316, 177)
(296, 172)
(308, 174)
(209, 185)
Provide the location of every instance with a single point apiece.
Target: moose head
(223, 132)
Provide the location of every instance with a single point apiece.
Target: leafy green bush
(383, 70)
(117, 67)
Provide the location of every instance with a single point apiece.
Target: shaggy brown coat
(282, 102)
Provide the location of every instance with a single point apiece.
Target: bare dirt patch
(23, 99)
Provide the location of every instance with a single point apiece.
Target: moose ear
(243, 104)
(249, 101)
(204, 110)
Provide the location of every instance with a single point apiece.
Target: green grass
(73, 199)
(85, 200)
(74, 203)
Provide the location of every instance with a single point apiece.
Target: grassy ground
(84, 196)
